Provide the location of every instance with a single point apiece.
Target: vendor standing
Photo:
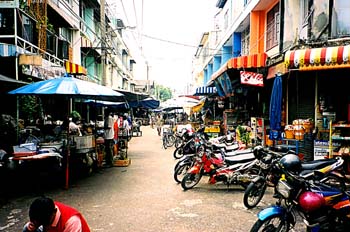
(109, 137)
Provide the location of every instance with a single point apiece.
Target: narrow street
(144, 197)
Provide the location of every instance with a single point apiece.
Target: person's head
(42, 211)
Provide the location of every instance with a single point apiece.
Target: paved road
(144, 197)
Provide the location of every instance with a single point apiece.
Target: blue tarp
(148, 103)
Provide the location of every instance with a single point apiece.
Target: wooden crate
(122, 163)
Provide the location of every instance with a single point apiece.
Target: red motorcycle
(238, 169)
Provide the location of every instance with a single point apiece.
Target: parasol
(72, 88)
(276, 108)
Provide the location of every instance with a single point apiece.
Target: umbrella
(276, 108)
(72, 88)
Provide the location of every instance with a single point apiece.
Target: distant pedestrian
(45, 215)
(159, 124)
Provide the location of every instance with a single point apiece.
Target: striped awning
(72, 68)
(204, 90)
(10, 50)
(251, 61)
(318, 58)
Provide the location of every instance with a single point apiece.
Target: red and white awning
(318, 58)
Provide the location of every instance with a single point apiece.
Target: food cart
(84, 155)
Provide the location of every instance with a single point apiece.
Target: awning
(197, 108)
(204, 91)
(72, 68)
(11, 80)
(8, 50)
(318, 58)
(250, 61)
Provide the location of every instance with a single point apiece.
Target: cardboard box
(122, 163)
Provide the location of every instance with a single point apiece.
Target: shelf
(346, 138)
(341, 125)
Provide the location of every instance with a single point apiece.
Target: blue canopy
(71, 87)
(148, 103)
(122, 105)
(276, 108)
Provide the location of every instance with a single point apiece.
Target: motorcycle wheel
(190, 180)
(178, 142)
(254, 193)
(165, 143)
(178, 153)
(171, 140)
(181, 171)
(271, 224)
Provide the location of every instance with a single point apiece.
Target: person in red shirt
(116, 132)
(49, 216)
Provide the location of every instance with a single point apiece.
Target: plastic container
(289, 134)
(26, 149)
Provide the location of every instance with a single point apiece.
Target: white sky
(178, 21)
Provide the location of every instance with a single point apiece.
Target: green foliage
(30, 108)
(244, 135)
(75, 115)
(163, 93)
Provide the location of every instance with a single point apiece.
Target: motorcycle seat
(240, 158)
(317, 164)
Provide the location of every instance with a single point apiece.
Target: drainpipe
(103, 43)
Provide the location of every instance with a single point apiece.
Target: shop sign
(46, 71)
(252, 78)
(275, 60)
(321, 148)
(25, 59)
(9, 3)
(278, 68)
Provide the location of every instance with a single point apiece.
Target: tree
(163, 93)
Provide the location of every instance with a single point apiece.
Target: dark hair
(41, 210)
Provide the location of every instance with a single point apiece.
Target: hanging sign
(252, 78)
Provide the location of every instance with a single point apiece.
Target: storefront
(318, 89)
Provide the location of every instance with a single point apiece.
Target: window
(226, 20)
(6, 22)
(245, 42)
(272, 27)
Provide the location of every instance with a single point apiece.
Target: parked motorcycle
(268, 162)
(323, 205)
(238, 169)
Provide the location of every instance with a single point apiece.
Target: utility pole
(103, 41)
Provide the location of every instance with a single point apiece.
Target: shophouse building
(306, 42)
(44, 39)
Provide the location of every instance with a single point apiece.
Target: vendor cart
(84, 156)
(36, 158)
(123, 139)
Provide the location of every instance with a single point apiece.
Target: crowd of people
(114, 127)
